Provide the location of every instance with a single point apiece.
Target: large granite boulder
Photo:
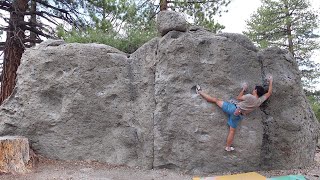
(93, 102)
(79, 101)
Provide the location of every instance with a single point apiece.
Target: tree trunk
(163, 5)
(289, 28)
(14, 48)
(14, 154)
(290, 40)
(33, 20)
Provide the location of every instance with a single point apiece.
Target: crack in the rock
(155, 104)
(266, 140)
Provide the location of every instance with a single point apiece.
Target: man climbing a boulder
(247, 103)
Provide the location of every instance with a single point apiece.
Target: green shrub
(135, 39)
(315, 104)
(128, 43)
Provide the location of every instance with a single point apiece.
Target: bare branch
(32, 40)
(2, 46)
(5, 19)
(143, 4)
(67, 12)
(279, 44)
(4, 28)
(52, 7)
(192, 2)
(43, 13)
(41, 26)
(35, 30)
(5, 5)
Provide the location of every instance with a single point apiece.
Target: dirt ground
(47, 169)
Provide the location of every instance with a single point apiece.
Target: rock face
(93, 102)
(286, 115)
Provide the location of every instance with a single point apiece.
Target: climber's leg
(230, 139)
(233, 121)
(209, 98)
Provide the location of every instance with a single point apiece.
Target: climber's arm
(240, 96)
(244, 88)
(268, 94)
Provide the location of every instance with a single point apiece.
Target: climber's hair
(260, 90)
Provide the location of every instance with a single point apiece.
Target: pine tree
(22, 33)
(288, 24)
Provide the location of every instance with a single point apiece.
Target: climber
(247, 103)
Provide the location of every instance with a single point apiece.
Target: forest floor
(47, 169)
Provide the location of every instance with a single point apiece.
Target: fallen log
(14, 154)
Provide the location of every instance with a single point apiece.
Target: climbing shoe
(229, 149)
(198, 88)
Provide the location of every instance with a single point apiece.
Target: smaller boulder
(170, 21)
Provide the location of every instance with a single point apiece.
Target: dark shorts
(230, 108)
